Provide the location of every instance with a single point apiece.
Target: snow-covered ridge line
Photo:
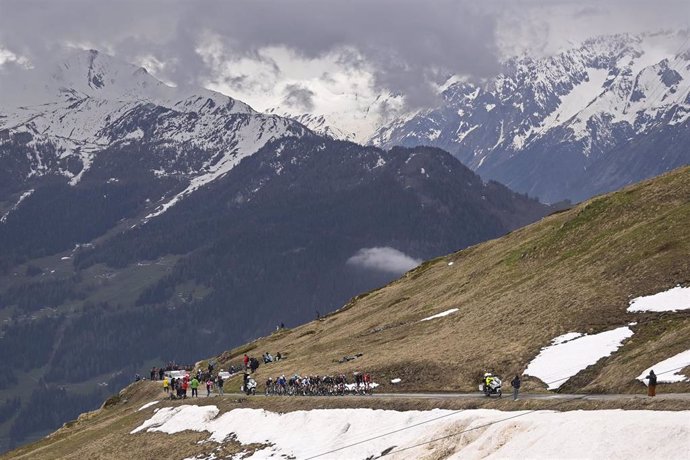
(92, 102)
(541, 434)
(578, 105)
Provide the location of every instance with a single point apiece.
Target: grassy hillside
(574, 271)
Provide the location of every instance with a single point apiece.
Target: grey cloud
(408, 44)
(299, 97)
(589, 11)
(383, 259)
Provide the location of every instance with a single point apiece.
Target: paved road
(594, 397)
(524, 396)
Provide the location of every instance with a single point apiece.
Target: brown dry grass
(572, 271)
(104, 434)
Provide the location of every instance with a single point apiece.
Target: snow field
(576, 100)
(674, 299)
(668, 370)
(570, 353)
(611, 434)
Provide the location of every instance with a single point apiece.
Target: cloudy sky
(320, 55)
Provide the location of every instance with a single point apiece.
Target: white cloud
(384, 259)
(8, 56)
(542, 28)
(361, 62)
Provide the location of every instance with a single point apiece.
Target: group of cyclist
(315, 385)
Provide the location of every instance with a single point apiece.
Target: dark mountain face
(107, 290)
(271, 241)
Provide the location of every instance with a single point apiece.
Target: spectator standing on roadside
(651, 388)
(166, 384)
(515, 383)
(219, 382)
(195, 387)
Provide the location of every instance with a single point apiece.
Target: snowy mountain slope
(355, 122)
(91, 101)
(541, 125)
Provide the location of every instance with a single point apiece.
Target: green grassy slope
(574, 271)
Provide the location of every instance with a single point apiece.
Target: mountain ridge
(193, 134)
(545, 125)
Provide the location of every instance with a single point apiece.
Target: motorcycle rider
(488, 378)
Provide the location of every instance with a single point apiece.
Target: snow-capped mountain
(355, 121)
(323, 125)
(567, 126)
(61, 118)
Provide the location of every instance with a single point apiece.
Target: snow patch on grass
(175, 419)
(147, 405)
(570, 353)
(440, 315)
(674, 299)
(566, 338)
(668, 370)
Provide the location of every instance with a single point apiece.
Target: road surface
(523, 396)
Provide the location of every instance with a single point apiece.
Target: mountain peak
(79, 74)
(545, 121)
(96, 74)
(85, 102)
